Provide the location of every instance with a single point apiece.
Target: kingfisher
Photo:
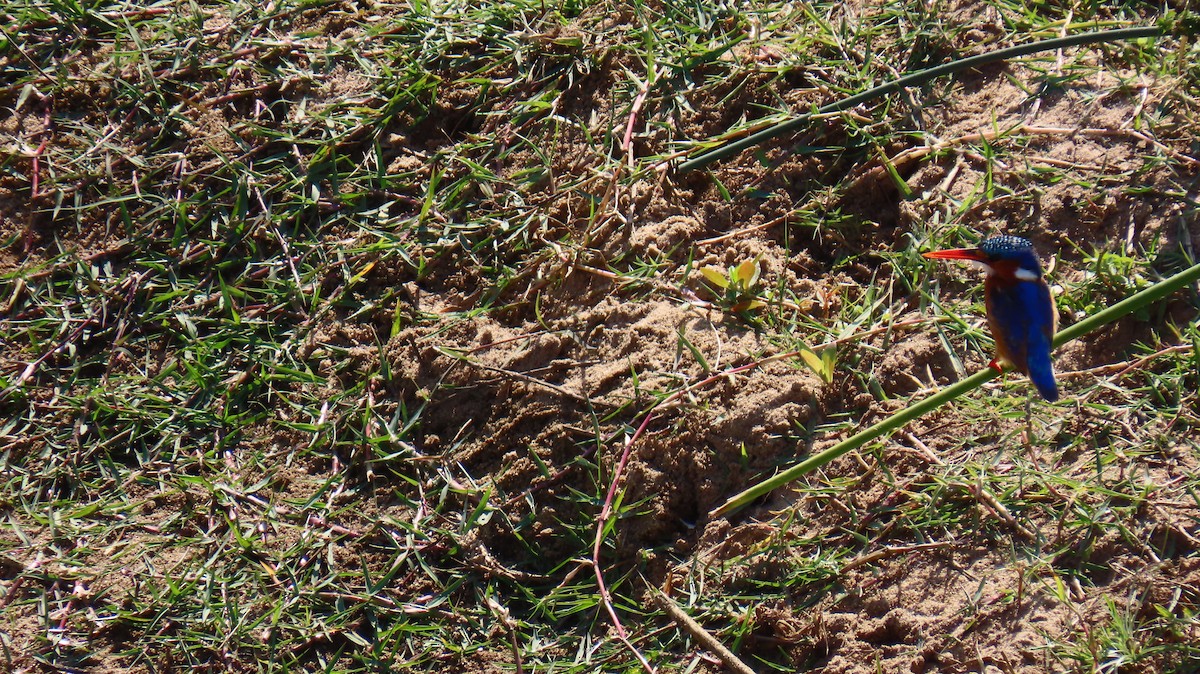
(1020, 308)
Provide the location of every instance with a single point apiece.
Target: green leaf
(821, 364)
(813, 361)
(829, 359)
(715, 276)
(746, 273)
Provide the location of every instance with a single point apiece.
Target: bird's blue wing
(1041, 338)
(1023, 325)
(1008, 316)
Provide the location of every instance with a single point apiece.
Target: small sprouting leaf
(746, 274)
(725, 195)
(715, 276)
(821, 365)
(812, 360)
(829, 359)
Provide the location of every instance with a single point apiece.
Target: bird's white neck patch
(1021, 273)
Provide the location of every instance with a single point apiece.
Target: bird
(1020, 308)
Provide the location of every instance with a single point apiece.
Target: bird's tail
(1041, 372)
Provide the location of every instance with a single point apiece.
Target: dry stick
(670, 400)
(890, 551)
(1123, 368)
(874, 172)
(699, 633)
(516, 645)
(282, 87)
(990, 501)
(990, 135)
(750, 230)
(528, 379)
(506, 340)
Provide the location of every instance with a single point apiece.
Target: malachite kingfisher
(1020, 308)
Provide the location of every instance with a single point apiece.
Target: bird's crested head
(1011, 255)
(1006, 257)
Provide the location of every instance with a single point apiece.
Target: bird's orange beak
(957, 254)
